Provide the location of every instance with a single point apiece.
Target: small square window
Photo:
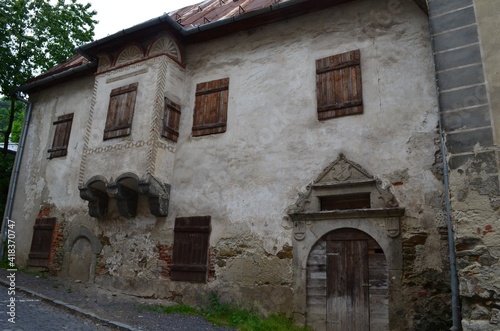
(338, 85)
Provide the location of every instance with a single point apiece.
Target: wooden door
(347, 306)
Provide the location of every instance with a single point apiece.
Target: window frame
(171, 120)
(120, 111)
(210, 110)
(339, 85)
(62, 135)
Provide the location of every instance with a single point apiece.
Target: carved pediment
(342, 170)
(345, 190)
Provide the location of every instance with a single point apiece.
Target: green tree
(4, 120)
(35, 35)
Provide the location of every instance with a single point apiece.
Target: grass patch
(229, 314)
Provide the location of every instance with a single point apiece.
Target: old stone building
(285, 154)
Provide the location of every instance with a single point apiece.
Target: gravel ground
(112, 308)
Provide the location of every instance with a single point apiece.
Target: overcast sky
(116, 15)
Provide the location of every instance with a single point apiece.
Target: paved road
(33, 314)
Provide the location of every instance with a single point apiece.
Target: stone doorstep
(71, 308)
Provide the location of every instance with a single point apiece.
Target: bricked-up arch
(378, 218)
(80, 255)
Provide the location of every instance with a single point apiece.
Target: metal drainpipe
(455, 294)
(15, 173)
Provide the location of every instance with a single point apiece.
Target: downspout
(455, 294)
(15, 172)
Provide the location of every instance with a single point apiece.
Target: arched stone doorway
(347, 283)
(345, 210)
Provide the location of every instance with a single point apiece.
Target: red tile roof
(214, 10)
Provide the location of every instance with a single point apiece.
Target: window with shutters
(190, 252)
(338, 85)
(210, 110)
(171, 119)
(41, 244)
(61, 136)
(120, 112)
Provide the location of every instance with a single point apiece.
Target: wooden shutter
(120, 111)
(190, 252)
(171, 119)
(338, 85)
(61, 136)
(41, 244)
(210, 110)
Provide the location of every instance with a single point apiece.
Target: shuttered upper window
(190, 252)
(338, 85)
(171, 119)
(61, 136)
(120, 111)
(210, 110)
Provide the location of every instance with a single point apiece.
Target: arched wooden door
(355, 286)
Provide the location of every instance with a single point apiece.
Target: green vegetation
(35, 35)
(229, 314)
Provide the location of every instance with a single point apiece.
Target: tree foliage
(35, 35)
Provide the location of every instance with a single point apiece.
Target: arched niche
(125, 189)
(80, 255)
(95, 192)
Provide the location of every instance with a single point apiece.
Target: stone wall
(464, 37)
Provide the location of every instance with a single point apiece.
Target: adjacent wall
(465, 41)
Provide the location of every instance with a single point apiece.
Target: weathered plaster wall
(48, 187)
(274, 146)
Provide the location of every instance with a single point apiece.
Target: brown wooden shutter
(338, 85)
(190, 252)
(41, 244)
(171, 119)
(120, 111)
(61, 136)
(210, 110)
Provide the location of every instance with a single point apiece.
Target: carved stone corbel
(158, 194)
(126, 198)
(392, 226)
(299, 230)
(98, 200)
